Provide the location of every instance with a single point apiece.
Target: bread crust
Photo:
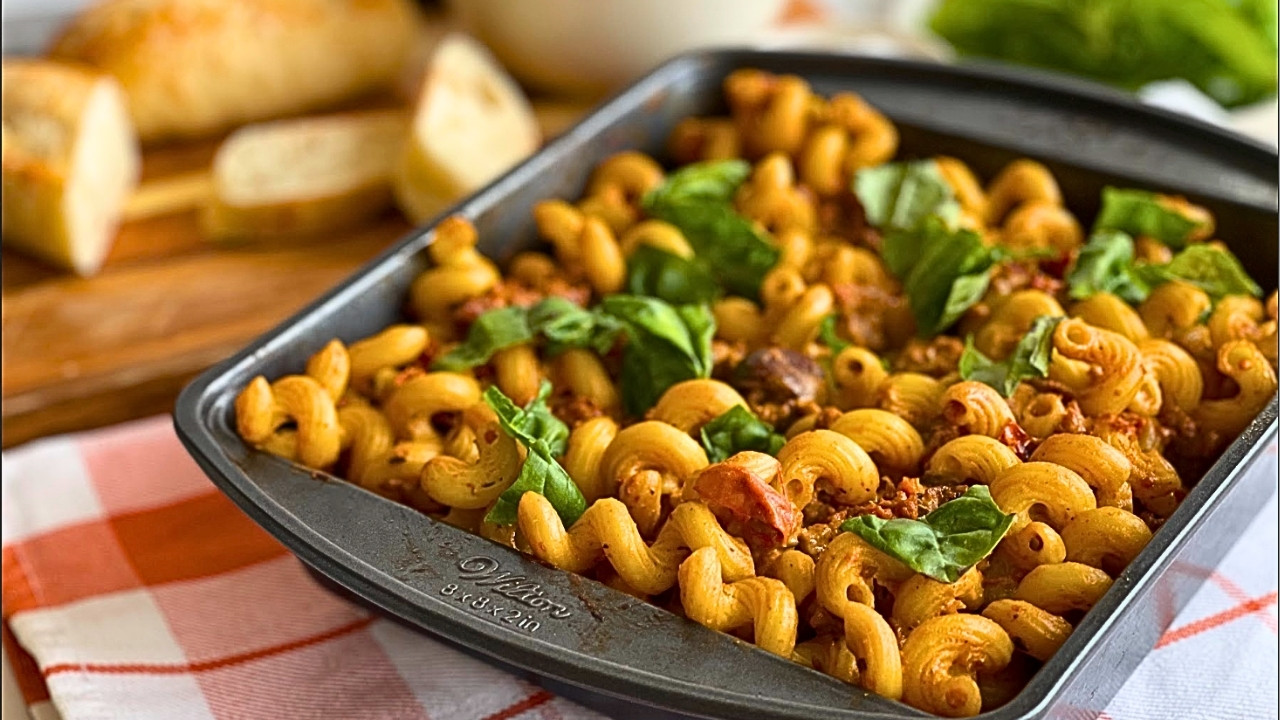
(193, 68)
(69, 160)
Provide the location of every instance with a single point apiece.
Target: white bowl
(589, 46)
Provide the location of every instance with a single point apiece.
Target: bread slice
(303, 176)
(70, 159)
(471, 123)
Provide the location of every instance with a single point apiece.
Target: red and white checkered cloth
(133, 588)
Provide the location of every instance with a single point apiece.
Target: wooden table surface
(79, 353)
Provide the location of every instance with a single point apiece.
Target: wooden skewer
(167, 196)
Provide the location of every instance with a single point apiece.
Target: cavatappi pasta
(724, 379)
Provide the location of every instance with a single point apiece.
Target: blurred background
(178, 269)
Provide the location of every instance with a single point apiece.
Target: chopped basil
(544, 436)
(658, 273)
(1030, 359)
(1215, 271)
(493, 331)
(1137, 212)
(561, 322)
(950, 276)
(698, 199)
(566, 325)
(666, 344)
(943, 544)
(828, 334)
(532, 423)
(1106, 264)
(899, 196)
(738, 429)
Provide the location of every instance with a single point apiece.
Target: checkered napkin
(132, 588)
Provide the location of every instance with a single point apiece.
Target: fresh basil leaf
(698, 200)
(566, 325)
(975, 365)
(711, 181)
(1226, 48)
(1030, 359)
(1105, 264)
(658, 273)
(1211, 269)
(493, 331)
(543, 475)
(965, 292)
(952, 275)
(943, 544)
(544, 436)
(738, 429)
(531, 424)
(899, 196)
(1137, 212)
(701, 324)
(665, 345)
(828, 334)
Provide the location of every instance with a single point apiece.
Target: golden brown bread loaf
(70, 159)
(199, 67)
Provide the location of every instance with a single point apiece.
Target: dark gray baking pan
(611, 651)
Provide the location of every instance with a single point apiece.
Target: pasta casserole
(867, 412)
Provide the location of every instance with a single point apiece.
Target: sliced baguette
(471, 123)
(193, 68)
(70, 160)
(303, 176)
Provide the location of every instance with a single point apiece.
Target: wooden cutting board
(80, 353)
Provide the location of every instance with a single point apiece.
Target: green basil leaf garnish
(828, 334)
(566, 325)
(943, 544)
(1137, 212)
(698, 199)
(531, 423)
(1105, 264)
(658, 273)
(1209, 268)
(665, 344)
(899, 196)
(563, 324)
(544, 436)
(951, 275)
(543, 475)
(1030, 359)
(495, 330)
(738, 429)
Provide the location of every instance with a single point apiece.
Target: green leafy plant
(1226, 48)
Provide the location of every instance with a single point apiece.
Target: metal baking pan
(600, 646)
